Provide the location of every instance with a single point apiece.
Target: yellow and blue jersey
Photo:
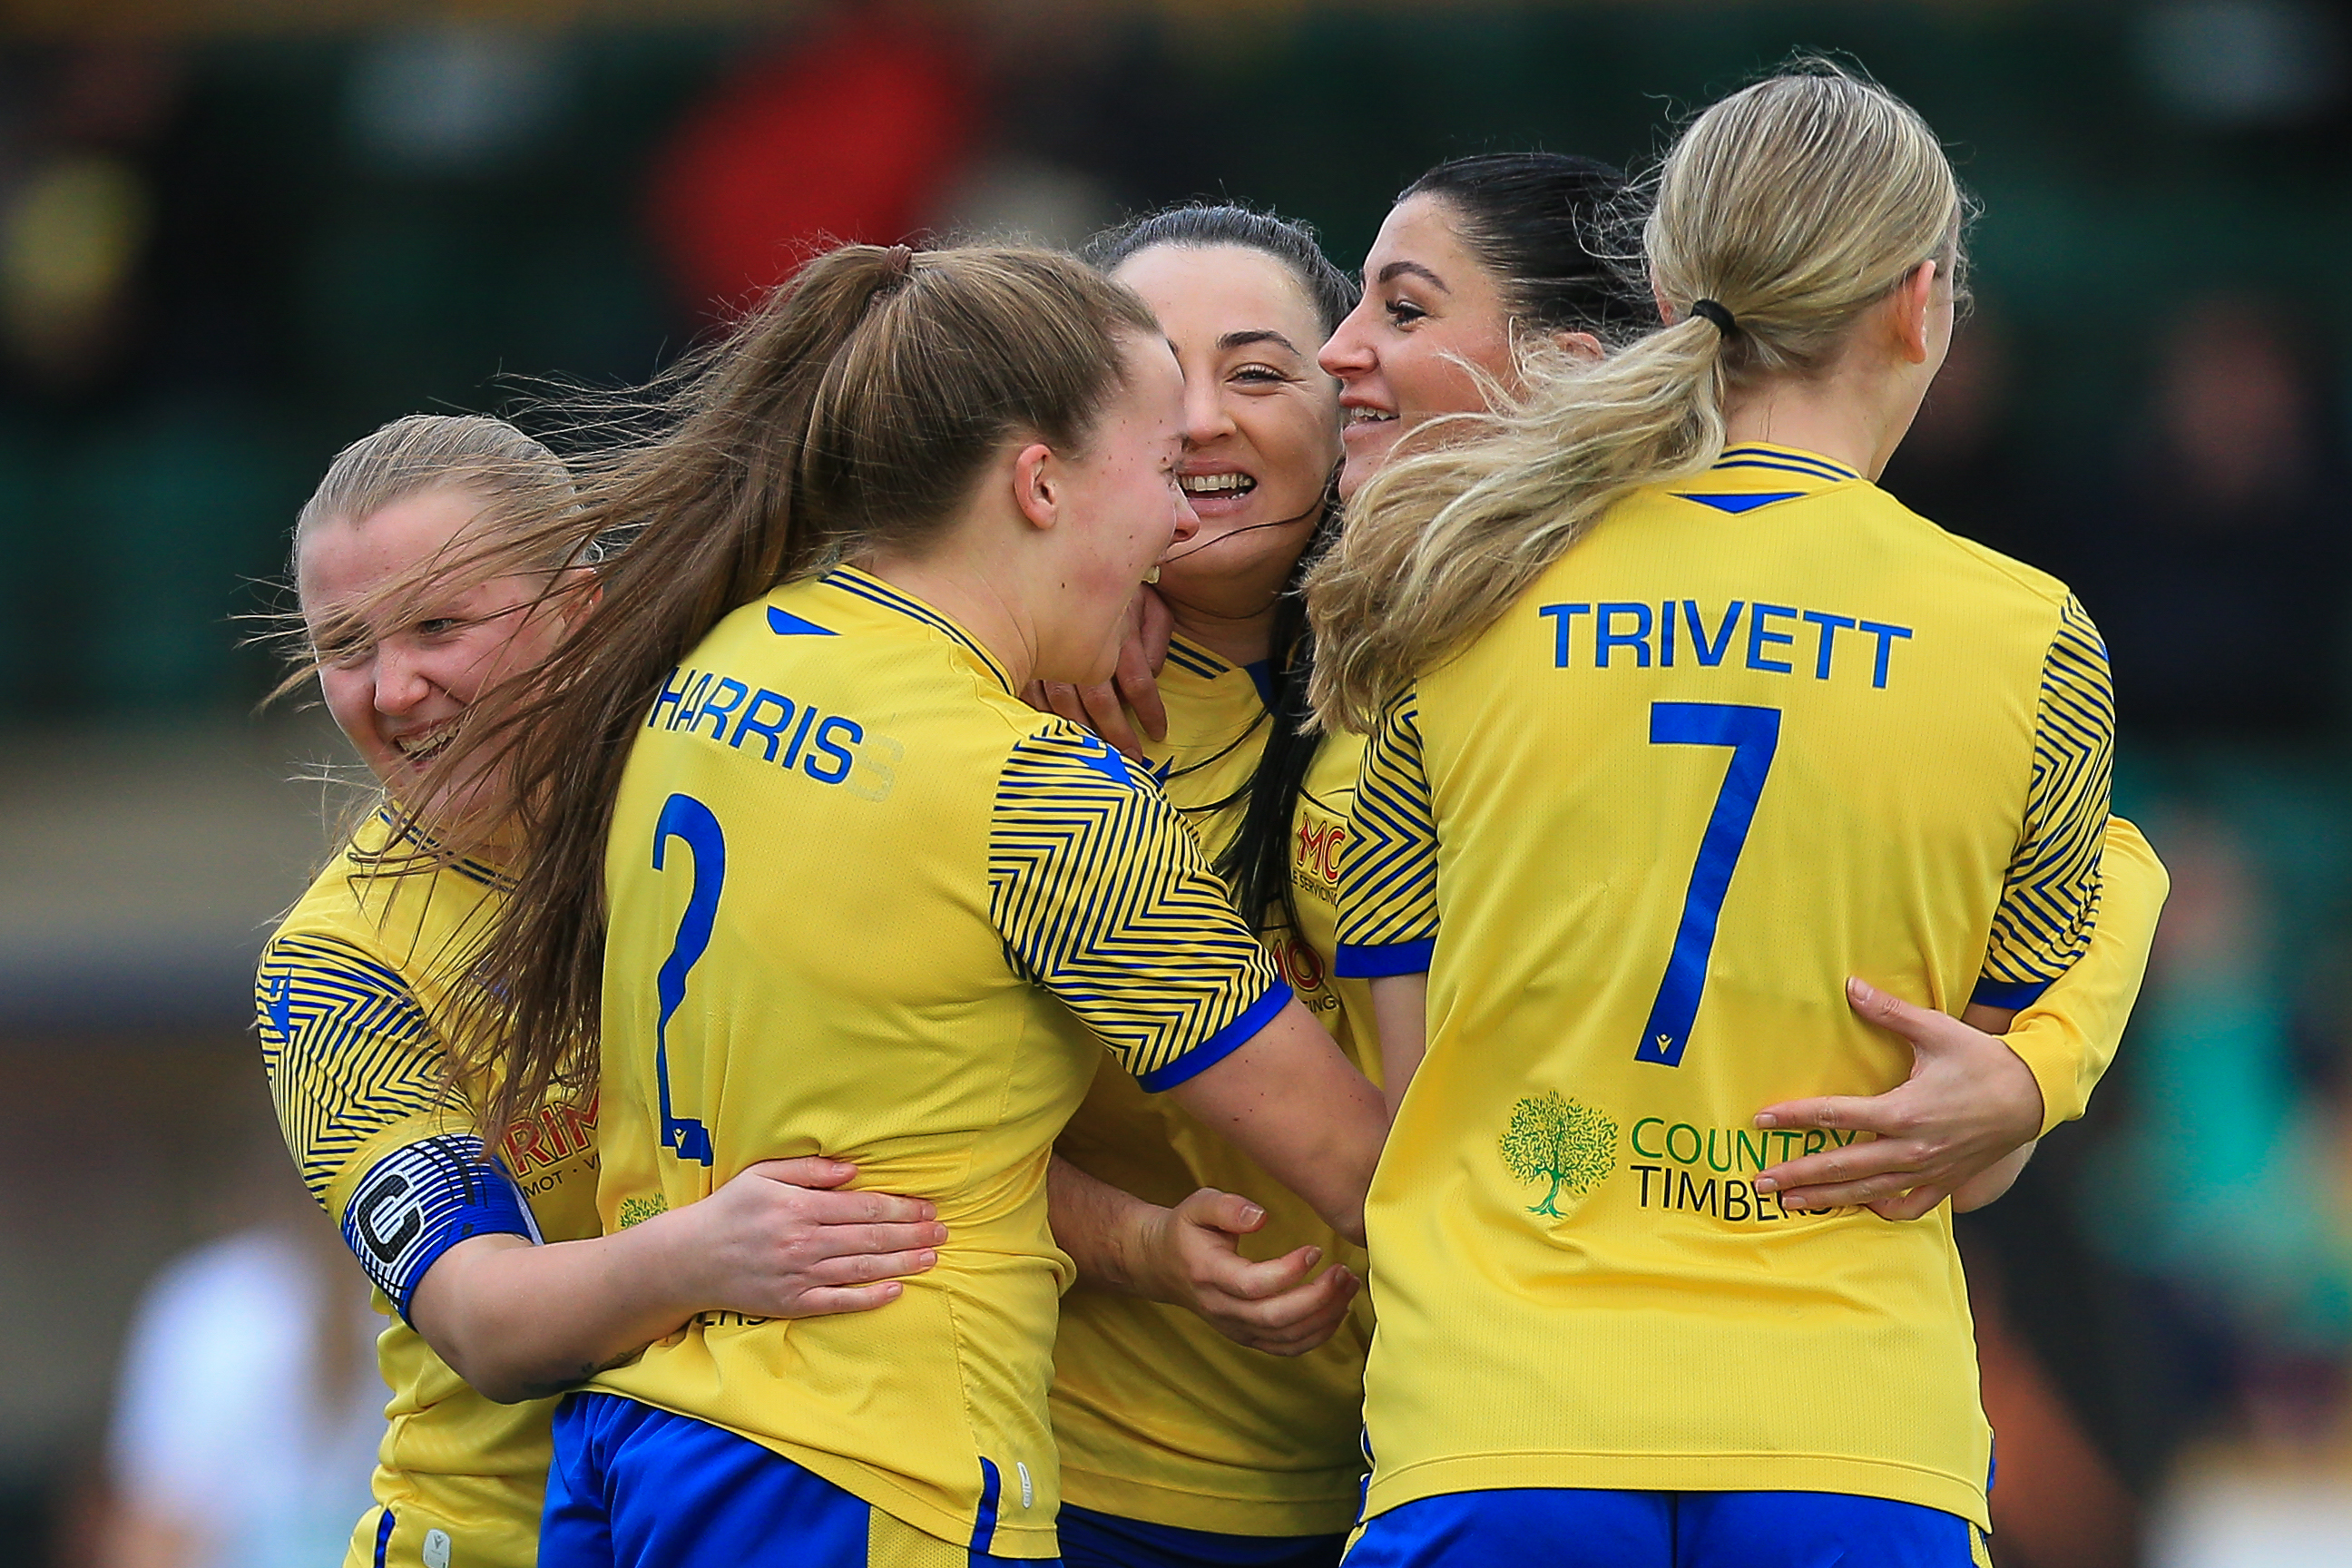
(1757, 731)
(351, 1002)
(867, 903)
(1161, 1418)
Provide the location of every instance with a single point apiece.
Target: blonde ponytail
(1794, 204)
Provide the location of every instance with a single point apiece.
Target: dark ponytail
(855, 407)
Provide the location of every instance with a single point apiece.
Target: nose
(1188, 521)
(400, 681)
(1350, 350)
(1206, 418)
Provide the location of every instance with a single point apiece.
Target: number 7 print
(1754, 735)
(685, 818)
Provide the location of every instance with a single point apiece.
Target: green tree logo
(1556, 1139)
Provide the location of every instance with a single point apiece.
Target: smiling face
(399, 674)
(1123, 511)
(1430, 308)
(1260, 421)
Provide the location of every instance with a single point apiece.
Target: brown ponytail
(855, 407)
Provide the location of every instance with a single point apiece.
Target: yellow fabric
(901, 916)
(1576, 1286)
(1160, 1418)
(350, 990)
(2070, 1036)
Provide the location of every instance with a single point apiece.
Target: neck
(1834, 417)
(961, 585)
(1236, 639)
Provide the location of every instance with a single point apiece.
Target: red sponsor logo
(1318, 849)
(556, 1134)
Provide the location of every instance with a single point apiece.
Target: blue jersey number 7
(685, 819)
(1753, 734)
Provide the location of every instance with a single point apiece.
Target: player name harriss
(1779, 640)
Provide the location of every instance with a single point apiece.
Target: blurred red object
(850, 134)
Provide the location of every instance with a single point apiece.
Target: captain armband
(421, 1200)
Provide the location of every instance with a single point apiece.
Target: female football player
(862, 899)
(1182, 1445)
(351, 1017)
(1657, 616)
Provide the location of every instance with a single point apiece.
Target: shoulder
(1988, 567)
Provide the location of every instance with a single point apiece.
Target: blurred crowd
(221, 259)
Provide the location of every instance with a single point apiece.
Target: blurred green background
(234, 237)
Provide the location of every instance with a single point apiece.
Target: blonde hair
(1795, 204)
(520, 483)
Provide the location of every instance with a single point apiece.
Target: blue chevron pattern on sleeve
(1388, 890)
(2050, 900)
(347, 1048)
(1103, 896)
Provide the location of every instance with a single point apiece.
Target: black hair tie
(1710, 310)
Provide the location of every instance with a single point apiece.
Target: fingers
(1856, 1161)
(846, 1240)
(1924, 1027)
(1842, 1112)
(866, 1268)
(828, 1300)
(1918, 1204)
(1228, 1212)
(1107, 717)
(1156, 624)
(809, 1171)
(1138, 683)
(1264, 1282)
(1296, 1321)
(1862, 1194)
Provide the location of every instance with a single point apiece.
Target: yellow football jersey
(348, 1001)
(865, 903)
(1760, 731)
(1159, 1416)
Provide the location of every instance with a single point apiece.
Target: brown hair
(857, 406)
(1794, 206)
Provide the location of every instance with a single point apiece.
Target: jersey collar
(866, 586)
(1795, 462)
(1757, 474)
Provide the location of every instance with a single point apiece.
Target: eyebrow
(1262, 335)
(1400, 268)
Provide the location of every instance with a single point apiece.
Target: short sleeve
(1388, 887)
(1103, 896)
(355, 1071)
(2049, 898)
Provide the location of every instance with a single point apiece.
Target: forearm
(1401, 1013)
(1101, 1227)
(1292, 1101)
(2068, 1037)
(521, 1322)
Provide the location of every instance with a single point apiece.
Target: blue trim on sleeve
(1379, 963)
(382, 1536)
(2011, 994)
(1222, 1044)
(421, 1200)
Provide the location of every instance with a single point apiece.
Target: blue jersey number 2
(688, 819)
(1753, 734)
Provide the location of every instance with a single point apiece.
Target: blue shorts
(1091, 1540)
(1564, 1528)
(633, 1486)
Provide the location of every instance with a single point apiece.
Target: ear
(1658, 297)
(1036, 485)
(1913, 297)
(1581, 346)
